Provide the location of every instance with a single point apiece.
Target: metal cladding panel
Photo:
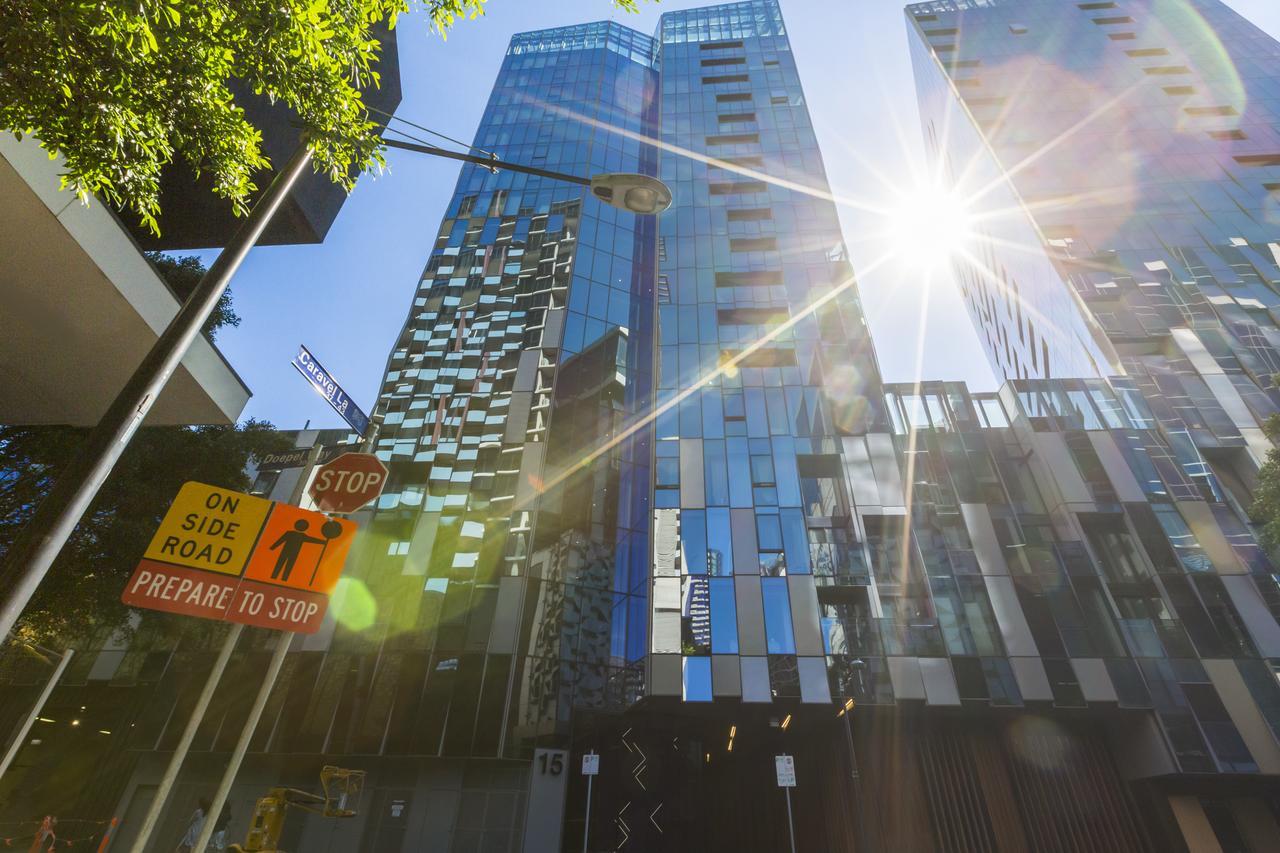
(745, 561)
(726, 676)
(858, 472)
(1095, 681)
(982, 535)
(1014, 629)
(506, 617)
(907, 680)
(527, 370)
(1249, 721)
(751, 637)
(1033, 681)
(1199, 517)
(1228, 396)
(517, 417)
(1118, 471)
(804, 614)
(666, 677)
(755, 680)
(553, 329)
(692, 492)
(424, 534)
(814, 686)
(529, 486)
(1197, 832)
(884, 464)
(1253, 610)
(939, 681)
(1193, 348)
(1064, 477)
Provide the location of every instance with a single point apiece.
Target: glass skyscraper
(1126, 158)
(649, 499)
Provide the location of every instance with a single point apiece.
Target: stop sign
(348, 482)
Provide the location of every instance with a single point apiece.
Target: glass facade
(764, 363)
(514, 526)
(1125, 159)
(650, 499)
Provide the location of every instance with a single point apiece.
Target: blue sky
(347, 298)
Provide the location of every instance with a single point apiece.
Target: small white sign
(785, 766)
(591, 765)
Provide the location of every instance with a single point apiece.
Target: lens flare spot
(353, 605)
(846, 393)
(1039, 741)
(1183, 28)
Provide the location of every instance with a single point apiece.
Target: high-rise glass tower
(650, 500)
(1125, 158)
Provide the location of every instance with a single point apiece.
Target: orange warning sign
(223, 555)
(295, 551)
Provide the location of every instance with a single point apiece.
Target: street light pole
(66, 503)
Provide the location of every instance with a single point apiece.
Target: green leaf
(124, 107)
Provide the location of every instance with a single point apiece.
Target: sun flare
(928, 227)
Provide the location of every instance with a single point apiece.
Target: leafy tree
(1266, 496)
(123, 87)
(81, 596)
(182, 275)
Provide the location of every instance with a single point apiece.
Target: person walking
(195, 827)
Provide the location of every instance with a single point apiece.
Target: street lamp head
(635, 193)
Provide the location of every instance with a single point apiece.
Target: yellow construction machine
(341, 794)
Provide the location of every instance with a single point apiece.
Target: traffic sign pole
(590, 767)
(785, 769)
(242, 746)
(255, 713)
(206, 696)
(268, 681)
(791, 827)
(171, 771)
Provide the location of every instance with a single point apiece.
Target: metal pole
(269, 681)
(21, 737)
(586, 824)
(856, 785)
(171, 771)
(791, 827)
(242, 746)
(61, 510)
(848, 740)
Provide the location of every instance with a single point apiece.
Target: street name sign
(298, 457)
(323, 382)
(229, 556)
(785, 767)
(348, 482)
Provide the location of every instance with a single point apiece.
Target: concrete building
(80, 307)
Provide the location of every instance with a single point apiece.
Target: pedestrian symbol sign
(220, 554)
(295, 549)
